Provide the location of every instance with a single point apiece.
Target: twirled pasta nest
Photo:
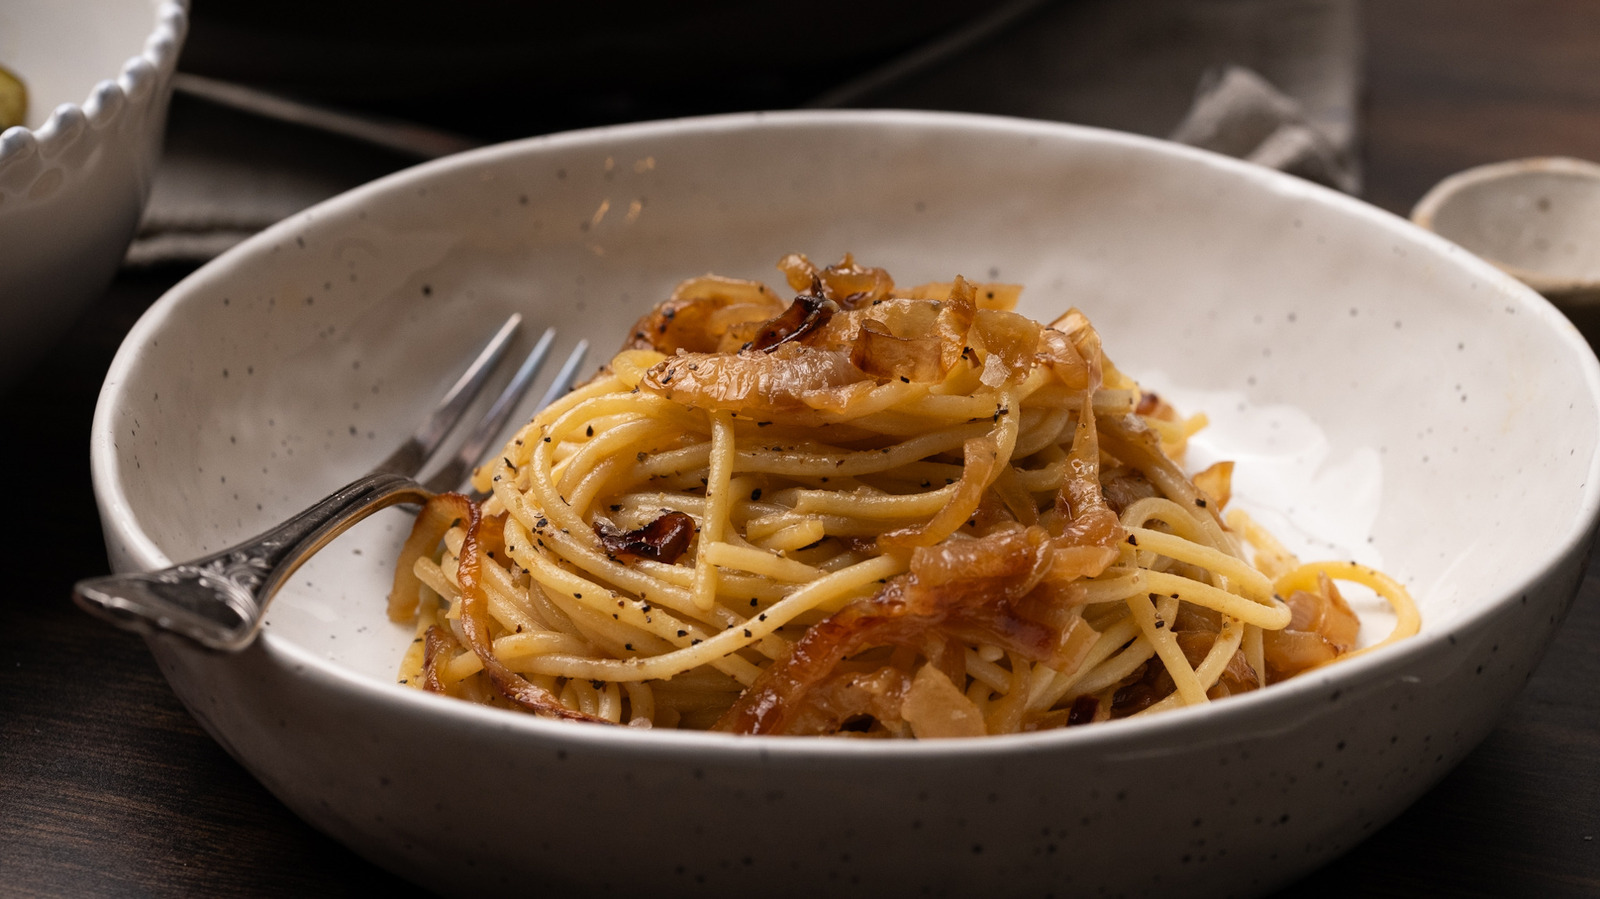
(870, 511)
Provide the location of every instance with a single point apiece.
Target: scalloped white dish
(75, 175)
(1400, 401)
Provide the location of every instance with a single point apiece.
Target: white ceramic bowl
(75, 175)
(1396, 398)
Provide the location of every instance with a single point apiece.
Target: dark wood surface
(108, 787)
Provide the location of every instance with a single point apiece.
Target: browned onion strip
(792, 379)
(1151, 405)
(972, 589)
(955, 322)
(1127, 438)
(934, 707)
(1091, 522)
(1010, 340)
(1237, 678)
(699, 312)
(475, 612)
(909, 339)
(1216, 483)
(1134, 444)
(1197, 631)
(1058, 352)
(980, 458)
(663, 540)
(850, 285)
(437, 516)
(436, 647)
(878, 352)
(799, 271)
(805, 315)
(1321, 628)
(847, 695)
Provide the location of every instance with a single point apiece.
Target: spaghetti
(871, 511)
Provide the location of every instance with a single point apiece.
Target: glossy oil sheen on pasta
(871, 510)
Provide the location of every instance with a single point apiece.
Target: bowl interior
(1387, 396)
(62, 49)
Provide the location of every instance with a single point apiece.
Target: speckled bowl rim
(1424, 214)
(1277, 705)
(108, 100)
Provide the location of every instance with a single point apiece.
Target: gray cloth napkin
(1238, 113)
(225, 175)
(1278, 83)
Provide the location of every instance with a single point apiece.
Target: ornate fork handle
(220, 600)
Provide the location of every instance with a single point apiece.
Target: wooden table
(108, 787)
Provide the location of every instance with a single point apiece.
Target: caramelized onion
(663, 540)
(437, 644)
(791, 378)
(1321, 628)
(1152, 405)
(700, 312)
(1083, 710)
(980, 463)
(839, 700)
(935, 707)
(1090, 521)
(436, 517)
(912, 339)
(879, 353)
(974, 590)
(806, 314)
(812, 356)
(1125, 486)
(985, 294)
(1009, 340)
(1237, 678)
(850, 285)
(1127, 438)
(1216, 484)
(1057, 351)
(480, 541)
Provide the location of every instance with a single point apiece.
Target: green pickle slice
(13, 99)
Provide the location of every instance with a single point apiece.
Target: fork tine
(408, 459)
(567, 374)
(472, 449)
(452, 474)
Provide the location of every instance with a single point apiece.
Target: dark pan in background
(497, 68)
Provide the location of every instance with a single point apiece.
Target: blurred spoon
(418, 141)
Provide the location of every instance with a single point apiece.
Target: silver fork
(220, 600)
